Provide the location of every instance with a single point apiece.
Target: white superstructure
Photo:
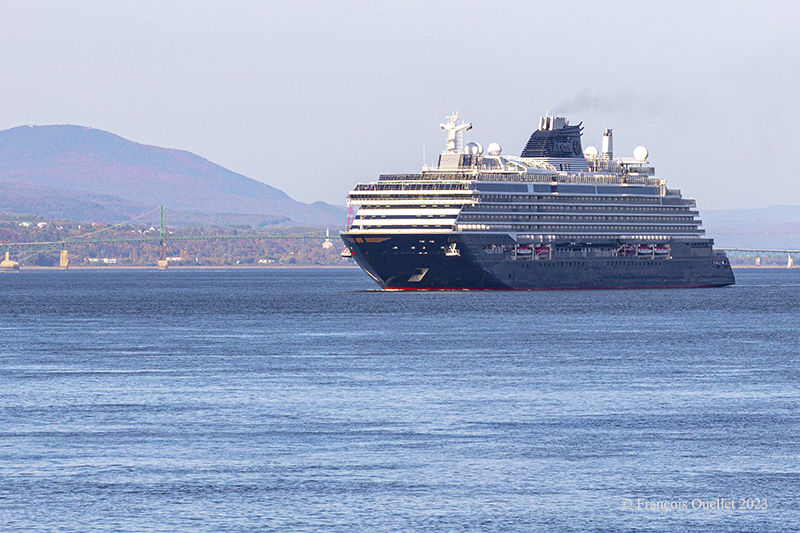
(553, 192)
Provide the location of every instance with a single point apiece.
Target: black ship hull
(490, 261)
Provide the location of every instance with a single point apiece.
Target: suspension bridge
(758, 255)
(162, 239)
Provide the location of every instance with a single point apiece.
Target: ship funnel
(553, 123)
(608, 145)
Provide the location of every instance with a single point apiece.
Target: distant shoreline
(762, 266)
(199, 267)
(244, 267)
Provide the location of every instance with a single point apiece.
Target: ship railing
(642, 170)
(601, 164)
(412, 187)
(458, 179)
(673, 192)
(604, 179)
(411, 199)
(598, 165)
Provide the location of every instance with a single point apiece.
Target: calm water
(304, 400)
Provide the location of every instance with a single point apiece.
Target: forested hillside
(295, 246)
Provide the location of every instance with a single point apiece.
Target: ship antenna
(454, 133)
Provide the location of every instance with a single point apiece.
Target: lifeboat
(644, 249)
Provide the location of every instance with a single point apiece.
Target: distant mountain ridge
(773, 213)
(82, 173)
(775, 227)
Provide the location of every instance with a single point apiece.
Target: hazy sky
(313, 97)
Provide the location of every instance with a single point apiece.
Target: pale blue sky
(313, 97)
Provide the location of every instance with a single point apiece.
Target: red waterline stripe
(550, 288)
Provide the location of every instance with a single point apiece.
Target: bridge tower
(162, 257)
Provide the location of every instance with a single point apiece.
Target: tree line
(285, 248)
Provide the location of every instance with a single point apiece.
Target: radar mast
(455, 133)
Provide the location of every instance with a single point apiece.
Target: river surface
(306, 400)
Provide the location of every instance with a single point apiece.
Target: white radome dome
(640, 153)
(591, 151)
(474, 148)
(494, 149)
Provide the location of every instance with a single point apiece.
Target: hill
(82, 173)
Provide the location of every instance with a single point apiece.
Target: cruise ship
(556, 217)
